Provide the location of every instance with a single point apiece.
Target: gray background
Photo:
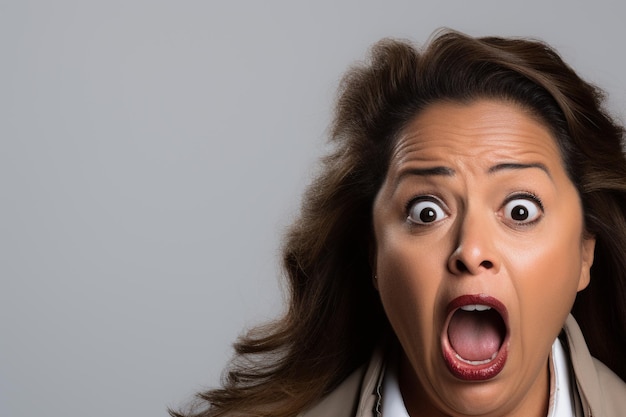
(151, 155)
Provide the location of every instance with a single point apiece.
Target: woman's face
(480, 251)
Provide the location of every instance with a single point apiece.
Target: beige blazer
(602, 393)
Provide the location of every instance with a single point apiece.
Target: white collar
(562, 395)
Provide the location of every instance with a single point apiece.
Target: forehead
(479, 133)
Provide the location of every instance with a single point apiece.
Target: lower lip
(460, 368)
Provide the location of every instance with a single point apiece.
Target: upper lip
(480, 299)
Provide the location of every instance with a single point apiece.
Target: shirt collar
(563, 397)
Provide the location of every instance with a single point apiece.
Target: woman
(475, 198)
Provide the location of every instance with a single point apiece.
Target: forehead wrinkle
(492, 124)
(413, 146)
(506, 144)
(408, 160)
(479, 143)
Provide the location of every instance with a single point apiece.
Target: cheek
(407, 286)
(548, 286)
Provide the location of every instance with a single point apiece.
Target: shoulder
(358, 395)
(602, 392)
(612, 390)
(342, 401)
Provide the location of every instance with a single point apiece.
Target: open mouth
(475, 337)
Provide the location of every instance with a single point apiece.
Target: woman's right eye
(425, 210)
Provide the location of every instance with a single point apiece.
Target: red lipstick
(474, 305)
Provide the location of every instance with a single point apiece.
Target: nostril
(486, 264)
(460, 266)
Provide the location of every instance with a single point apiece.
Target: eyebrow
(425, 172)
(429, 172)
(516, 166)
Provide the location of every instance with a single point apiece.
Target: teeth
(477, 362)
(475, 307)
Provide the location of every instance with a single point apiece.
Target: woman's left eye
(523, 210)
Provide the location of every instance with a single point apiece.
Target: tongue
(476, 335)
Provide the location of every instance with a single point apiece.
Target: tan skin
(491, 158)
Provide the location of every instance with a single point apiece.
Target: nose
(475, 249)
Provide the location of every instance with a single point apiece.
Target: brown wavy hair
(334, 317)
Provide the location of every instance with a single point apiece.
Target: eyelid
(420, 199)
(525, 195)
(424, 197)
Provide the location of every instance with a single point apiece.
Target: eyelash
(422, 198)
(526, 195)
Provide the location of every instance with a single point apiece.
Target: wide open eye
(425, 210)
(523, 210)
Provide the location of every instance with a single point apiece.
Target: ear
(588, 247)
